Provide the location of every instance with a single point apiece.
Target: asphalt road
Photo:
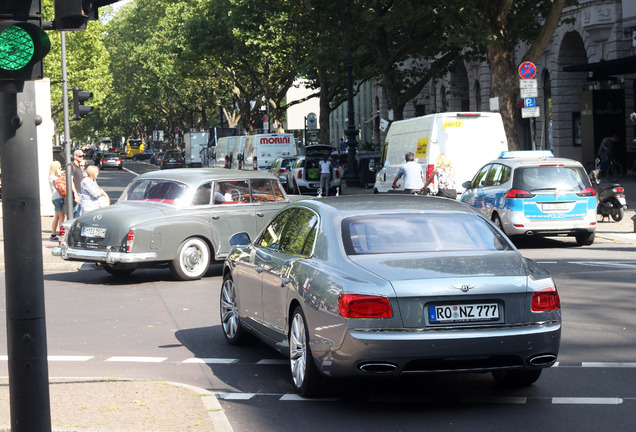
(151, 326)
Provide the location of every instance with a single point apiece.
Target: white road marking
(210, 360)
(609, 365)
(70, 358)
(586, 401)
(137, 359)
(615, 264)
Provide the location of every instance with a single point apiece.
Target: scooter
(610, 197)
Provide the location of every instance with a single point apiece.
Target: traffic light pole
(68, 202)
(24, 279)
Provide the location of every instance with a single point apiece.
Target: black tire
(119, 271)
(121, 167)
(517, 378)
(585, 239)
(192, 260)
(234, 332)
(497, 221)
(618, 212)
(306, 378)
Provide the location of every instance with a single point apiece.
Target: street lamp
(351, 132)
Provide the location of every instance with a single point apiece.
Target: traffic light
(23, 44)
(74, 14)
(79, 109)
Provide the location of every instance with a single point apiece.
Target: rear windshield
(408, 233)
(550, 178)
(163, 191)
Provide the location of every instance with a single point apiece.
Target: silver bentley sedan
(180, 218)
(374, 285)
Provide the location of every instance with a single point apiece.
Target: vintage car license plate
(556, 206)
(313, 185)
(463, 313)
(94, 232)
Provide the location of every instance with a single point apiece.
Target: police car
(534, 193)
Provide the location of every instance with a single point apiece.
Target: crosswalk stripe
(587, 401)
(210, 360)
(136, 359)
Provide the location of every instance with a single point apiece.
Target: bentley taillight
(546, 300)
(364, 306)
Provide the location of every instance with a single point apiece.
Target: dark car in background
(110, 160)
(172, 159)
(155, 159)
(144, 155)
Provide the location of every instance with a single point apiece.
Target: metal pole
(351, 132)
(67, 135)
(24, 279)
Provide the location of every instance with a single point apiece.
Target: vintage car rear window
(408, 233)
(163, 191)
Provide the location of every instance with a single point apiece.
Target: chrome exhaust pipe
(529, 233)
(378, 368)
(542, 360)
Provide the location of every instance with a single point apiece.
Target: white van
(469, 139)
(258, 152)
(254, 152)
(227, 150)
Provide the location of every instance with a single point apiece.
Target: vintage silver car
(372, 285)
(182, 218)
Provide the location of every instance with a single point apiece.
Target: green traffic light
(16, 48)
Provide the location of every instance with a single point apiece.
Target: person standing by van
(325, 175)
(412, 173)
(445, 177)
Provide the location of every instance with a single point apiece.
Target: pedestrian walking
(92, 194)
(605, 152)
(56, 174)
(412, 173)
(445, 174)
(77, 176)
(325, 174)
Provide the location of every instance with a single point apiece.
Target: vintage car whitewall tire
(192, 260)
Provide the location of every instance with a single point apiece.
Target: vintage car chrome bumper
(110, 257)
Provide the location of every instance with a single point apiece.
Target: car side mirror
(466, 185)
(240, 239)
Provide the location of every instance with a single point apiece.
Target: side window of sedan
(265, 190)
(300, 236)
(271, 236)
(232, 192)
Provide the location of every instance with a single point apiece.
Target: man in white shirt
(325, 175)
(412, 173)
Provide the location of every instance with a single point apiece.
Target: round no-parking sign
(527, 70)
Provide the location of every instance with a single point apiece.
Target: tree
(506, 24)
(261, 45)
(407, 42)
(87, 67)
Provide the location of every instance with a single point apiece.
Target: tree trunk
(504, 84)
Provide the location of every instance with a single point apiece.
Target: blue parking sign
(529, 102)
